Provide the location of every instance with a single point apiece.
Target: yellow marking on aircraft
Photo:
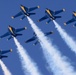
(74, 13)
(23, 8)
(48, 11)
(11, 29)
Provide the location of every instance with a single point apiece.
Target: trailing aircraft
(51, 15)
(35, 37)
(25, 12)
(72, 20)
(12, 32)
(4, 52)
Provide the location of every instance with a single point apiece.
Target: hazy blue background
(9, 8)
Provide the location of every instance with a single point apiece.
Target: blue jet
(4, 52)
(25, 12)
(72, 20)
(51, 15)
(13, 32)
(35, 37)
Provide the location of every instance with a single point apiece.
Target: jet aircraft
(4, 52)
(50, 15)
(72, 20)
(35, 37)
(12, 32)
(25, 12)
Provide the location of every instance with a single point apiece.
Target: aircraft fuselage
(24, 11)
(49, 14)
(12, 31)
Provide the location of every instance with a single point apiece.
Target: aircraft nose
(73, 11)
(46, 8)
(9, 26)
(21, 5)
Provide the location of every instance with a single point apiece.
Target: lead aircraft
(25, 12)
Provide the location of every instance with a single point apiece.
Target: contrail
(27, 63)
(67, 38)
(5, 69)
(58, 64)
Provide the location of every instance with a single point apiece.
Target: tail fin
(32, 13)
(22, 18)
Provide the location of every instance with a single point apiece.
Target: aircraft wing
(18, 14)
(32, 39)
(43, 18)
(33, 8)
(70, 21)
(20, 29)
(59, 11)
(6, 51)
(6, 34)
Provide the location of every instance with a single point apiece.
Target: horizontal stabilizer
(9, 38)
(57, 16)
(18, 34)
(3, 57)
(32, 13)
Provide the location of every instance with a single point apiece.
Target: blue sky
(9, 8)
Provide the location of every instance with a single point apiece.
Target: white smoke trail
(5, 69)
(27, 63)
(57, 63)
(67, 38)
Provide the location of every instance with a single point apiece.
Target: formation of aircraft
(35, 37)
(4, 52)
(51, 15)
(25, 12)
(72, 20)
(12, 32)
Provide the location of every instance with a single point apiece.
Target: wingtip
(38, 6)
(25, 28)
(21, 19)
(65, 23)
(34, 44)
(46, 22)
(52, 32)
(74, 26)
(10, 50)
(12, 17)
(63, 9)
